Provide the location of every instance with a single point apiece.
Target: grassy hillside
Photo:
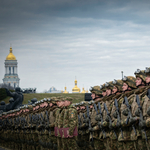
(76, 96)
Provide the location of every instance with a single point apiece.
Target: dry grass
(76, 96)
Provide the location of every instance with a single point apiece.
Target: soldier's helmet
(130, 81)
(34, 100)
(83, 103)
(2, 103)
(18, 89)
(103, 88)
(147, 71)
(11, 100)
(73, 104)
(118, 84)
(96, 90)
(30, 107)
(141, 74)
(109, 85)
(91, 102)
(68, 99)
(51, 100)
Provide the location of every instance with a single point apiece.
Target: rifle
(48, 122)
(89, 119)
(30, 119)
(84, 118)
(8, 123)
(101, 118)
(17, 121)
(129, 113)
(118, 116)
(141, 121)
(85, 121)
(148, 93)
(23, 122)
(101, 115)
(110, 121)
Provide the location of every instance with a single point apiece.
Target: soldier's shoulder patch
(72, 114)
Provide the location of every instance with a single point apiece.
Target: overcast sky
(56, 40)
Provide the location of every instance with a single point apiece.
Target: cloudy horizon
(56, 41)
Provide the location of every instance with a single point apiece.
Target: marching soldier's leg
(114, 145)
(98, 144)
(54, 141)
(141, 144)
(148, 144)
(36, 141)
(59, 143)
(107, 143)
(64, 144)
(72, 144)
(129, 145)
(120, 145)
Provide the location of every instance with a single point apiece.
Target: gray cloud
(54, 41)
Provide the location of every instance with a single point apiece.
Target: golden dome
(83, 91)
(75, 89)
(10, 55)
(65, 90)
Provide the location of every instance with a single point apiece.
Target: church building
(11, 77)
(76, 89)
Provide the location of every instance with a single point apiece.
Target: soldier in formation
(117, 118)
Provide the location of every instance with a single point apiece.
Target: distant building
(75, 89)
(53, 90)
(11, 77)
(65, 90)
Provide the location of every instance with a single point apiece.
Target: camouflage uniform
(32, 128)
(146, 114)
(26, 128)
(57, 115)
(52, 140)
(113, 133)
(83, 136)
(126, 142)
(68, 119)
(141, 92)
(17, 130)
(97, 134)
(41, 127)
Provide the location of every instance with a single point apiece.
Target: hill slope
(76, 96)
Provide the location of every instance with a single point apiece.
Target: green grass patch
(78, 97)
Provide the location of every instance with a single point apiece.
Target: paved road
(1, 148)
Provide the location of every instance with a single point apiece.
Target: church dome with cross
(76, 89)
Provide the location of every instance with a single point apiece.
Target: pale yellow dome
(76, 89)
(10, 55)
(65, 90)
(83, 91)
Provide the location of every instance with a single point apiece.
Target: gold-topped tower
(10, 55)
(65, 90)
(75, 89)
(11, 76)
